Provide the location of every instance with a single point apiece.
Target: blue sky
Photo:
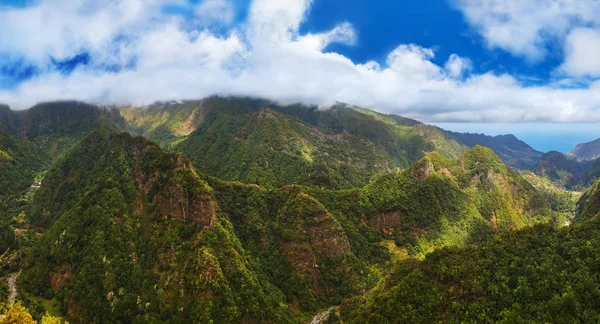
(460, 63)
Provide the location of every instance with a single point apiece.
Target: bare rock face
(422, 169)
(178, 192)
(387, 221)
(309, 236)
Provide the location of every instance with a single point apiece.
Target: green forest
(239, 210)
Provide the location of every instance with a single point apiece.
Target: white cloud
(342, 34)
(215, 12)
(527, 28)
(456, 66)
(582, 50)
(265, 57)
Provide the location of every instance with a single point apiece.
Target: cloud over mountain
(136, 52)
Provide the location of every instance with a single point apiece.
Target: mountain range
(241, 210)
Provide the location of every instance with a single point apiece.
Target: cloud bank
(138, 54)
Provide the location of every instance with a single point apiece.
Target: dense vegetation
(282, 212)
(165, 122)
(537, 275)
(129, 227)
(133, 235)
(20, 163)
(267, 144)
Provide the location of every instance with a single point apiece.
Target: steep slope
(514, 152)
(511, 278)
(245, 140)
(320, 247)
(133, 235)
(58, 126)
(8, 120)
(191, 127)
(440, 201)
(565, 171)
(20, 162)
(586, 151)
(271, 148)
(588, 205)
(165, 122)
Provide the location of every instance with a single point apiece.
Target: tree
(17, 314)
(49, 319)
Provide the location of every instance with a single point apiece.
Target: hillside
(561, 170)
(58, 126)
(133, 235)
(124, 223)
(341, 147)
(224, 137)
(165, 122)
(514, 152)
(566, 172)
(586, 151)
(589, 204)
(511, 278)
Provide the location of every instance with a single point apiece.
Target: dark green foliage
(133, 236)
(20, 162)
(127, 233)
(269, 148)
(537, 275)
(58, 126)
(256, 141)
(588, 205)
(564, 171)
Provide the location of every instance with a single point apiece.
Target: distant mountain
(568, 172)
(258, 141)
(562, 170)
(343, 146)
(514, 152)
(586, 151)
(165, 122)
(57, 126)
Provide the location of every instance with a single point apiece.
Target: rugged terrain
(242, 210)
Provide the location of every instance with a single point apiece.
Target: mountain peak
(586, 151)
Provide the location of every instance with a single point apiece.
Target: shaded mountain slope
(565, 171)
(198, 128)
(586, 151)
(241, 139)
(588, 205)
(514, 152)
(58, 126)
(20, 162)
(133, 235)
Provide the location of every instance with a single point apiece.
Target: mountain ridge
(586, 151)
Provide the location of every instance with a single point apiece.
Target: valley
(242, 210)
